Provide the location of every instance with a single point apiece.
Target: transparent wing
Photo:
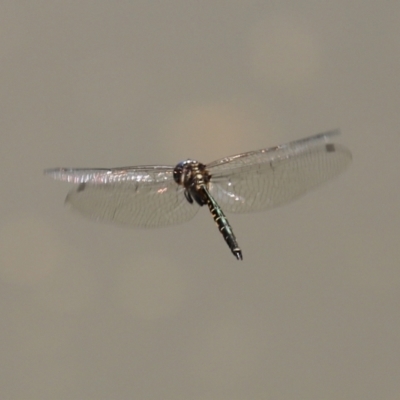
(147, 174)
(136, 196)
(267, 178)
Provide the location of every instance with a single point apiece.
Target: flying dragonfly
(155, 195)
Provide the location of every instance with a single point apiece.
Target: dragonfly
(156, 195)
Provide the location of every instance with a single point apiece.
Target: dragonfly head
(183, 172)
(191, 174)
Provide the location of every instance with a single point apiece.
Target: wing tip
(329, 134)
(52, 172)
(63, 174)
(315, 140)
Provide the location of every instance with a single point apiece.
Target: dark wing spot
(330, 148)
(81, 187)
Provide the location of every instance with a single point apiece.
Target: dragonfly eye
(179, 172)
(177, 175)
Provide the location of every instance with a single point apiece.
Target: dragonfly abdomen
(223, 225)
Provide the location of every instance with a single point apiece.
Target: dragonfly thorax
(192, 175)
(190, 172)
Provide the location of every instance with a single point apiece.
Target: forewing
(267, 178)
(135, 196)
(147, 174)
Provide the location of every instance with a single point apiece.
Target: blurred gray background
(96, 311)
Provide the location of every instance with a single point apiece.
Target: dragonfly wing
(135, 196)
(147, 174)
(267, 178)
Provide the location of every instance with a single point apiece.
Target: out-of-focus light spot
(150, 289)
(208, 129)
